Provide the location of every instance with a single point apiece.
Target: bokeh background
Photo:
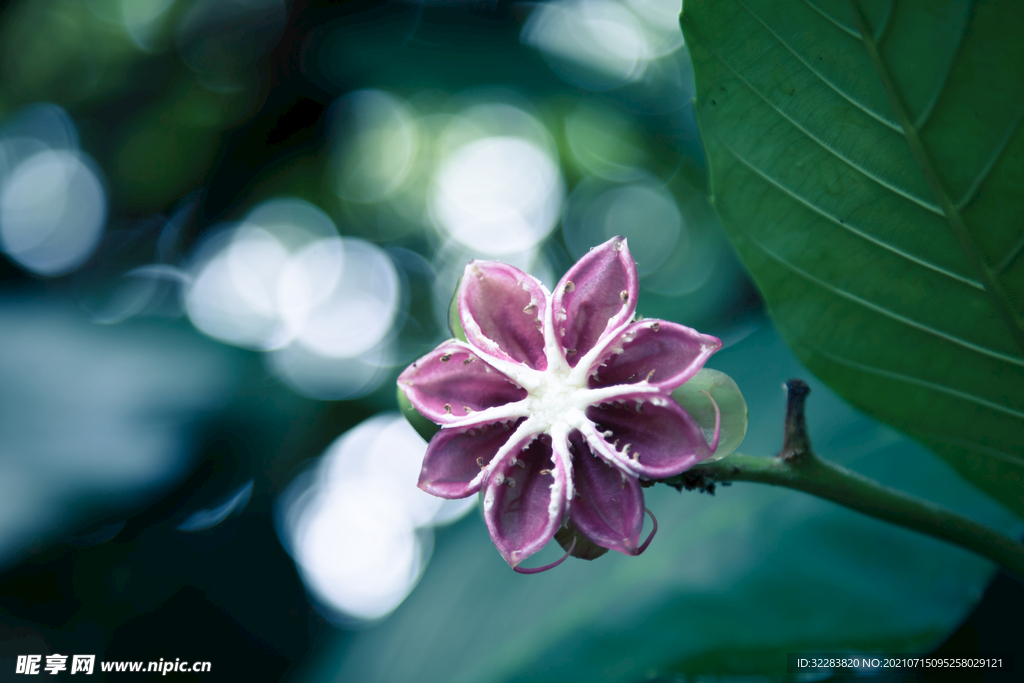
(227, 225)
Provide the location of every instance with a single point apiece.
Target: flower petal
(525, 500)
(453, 466)
(501, 309)
(597, 295)
(654, 441)
(609, 509)
(663, 353)
(451, 382)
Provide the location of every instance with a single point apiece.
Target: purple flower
(556, 405)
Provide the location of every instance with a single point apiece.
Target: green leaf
(729, 585)
(454, 322)
(873, 189)
(730, 402)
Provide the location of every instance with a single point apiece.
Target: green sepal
(454, 323)
(730, 402)
(422, 425)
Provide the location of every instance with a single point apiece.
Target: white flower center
(556, 398)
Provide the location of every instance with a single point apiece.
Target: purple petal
(663, 353)
(654, 442)
(455, 458)
(525, 501)
(609, 508)
(451, 382)
(501, 308)
(596, 296)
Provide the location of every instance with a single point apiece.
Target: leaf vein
(1002, 456)
(886, 22)
(934, 208)
(828, 17)
(985, 170)
(916, 381)
(849, 227)
(956, 224)
(1011, 256)
(898, 317)
(929, 106)
(864, 108)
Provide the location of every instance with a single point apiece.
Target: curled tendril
(538, 570)
(649, 538)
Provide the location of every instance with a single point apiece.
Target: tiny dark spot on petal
(448, 408)
(446, 357)
(624, 295)
(569, 286)
(655, 326)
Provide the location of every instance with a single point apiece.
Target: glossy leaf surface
(866, 160)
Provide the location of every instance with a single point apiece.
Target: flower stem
(838, 484)
(797, 467)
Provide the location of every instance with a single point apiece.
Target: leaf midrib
(810, 67)
(956, 223)
(903, 194)
(882, 310)
(938, 210)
